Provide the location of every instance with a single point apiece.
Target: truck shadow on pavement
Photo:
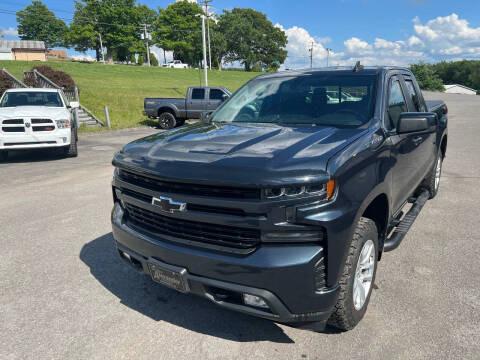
(141, 294)
(34, 155)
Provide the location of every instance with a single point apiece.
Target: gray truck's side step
(404, 225)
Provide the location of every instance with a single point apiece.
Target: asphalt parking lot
(65, 294)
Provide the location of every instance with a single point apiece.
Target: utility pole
(311, 55)
(146, 36)
(328, 54)
(204, 40)
(101, 47)
(205, 3)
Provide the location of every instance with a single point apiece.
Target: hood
(33, 111)
(250, 154)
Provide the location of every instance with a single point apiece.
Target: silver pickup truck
(173, 112)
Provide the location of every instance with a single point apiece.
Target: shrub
(153, 60)
(140, 60)
(5, 83)
(60, 78)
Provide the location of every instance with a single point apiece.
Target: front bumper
(57, 138)
(283, 275)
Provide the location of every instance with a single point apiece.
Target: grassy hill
(122, 88)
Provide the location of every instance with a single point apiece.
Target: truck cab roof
(33, 90)
(336, 70)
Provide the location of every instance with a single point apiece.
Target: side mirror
(225, 97)
(206, 116)
(413, 122)
(74, 104)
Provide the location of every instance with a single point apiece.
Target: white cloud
(11, 31)
(357, 46)
(299, 43)
(441, 38)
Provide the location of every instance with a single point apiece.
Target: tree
(179, 29)
(218, 45)
(465, 72)
(251, 38)
(117, 21)
(36, 22)
(426, 77)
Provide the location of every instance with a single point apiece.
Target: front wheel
(167, 120)
(72, 149)
(357, 278)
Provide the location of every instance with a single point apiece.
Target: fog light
(253, 300)
(64, 139)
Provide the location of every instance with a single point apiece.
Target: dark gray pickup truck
(173, 112)
(281, 205)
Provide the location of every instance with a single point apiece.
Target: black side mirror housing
(205, 116)
(416, 121)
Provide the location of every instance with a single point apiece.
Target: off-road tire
(345, 316)
(3, 155)
(167, 121)
(72, 149)
(429, 182)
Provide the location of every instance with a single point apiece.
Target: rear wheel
(167, 120)
(357, 278)
(432, 182)
(3, 155)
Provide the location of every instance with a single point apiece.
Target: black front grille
(43, 128)
(204, 233)
(190, 207)
(42, 121)
(189, 189)
(13, 121)
(13, 129)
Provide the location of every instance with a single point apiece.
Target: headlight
(325, 191)
(63, 124)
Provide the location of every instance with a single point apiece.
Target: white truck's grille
(25, 125)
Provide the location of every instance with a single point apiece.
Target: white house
(6, 54)
(459, 89)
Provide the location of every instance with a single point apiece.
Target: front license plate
(172, 276)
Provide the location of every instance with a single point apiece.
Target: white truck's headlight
(63, 124)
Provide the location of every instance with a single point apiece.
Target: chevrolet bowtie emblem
(166, 204)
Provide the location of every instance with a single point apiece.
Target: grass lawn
(122, 88)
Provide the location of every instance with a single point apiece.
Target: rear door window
(396, 103)
(412, 93)
(198, 94)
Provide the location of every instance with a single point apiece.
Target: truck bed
(433, 105)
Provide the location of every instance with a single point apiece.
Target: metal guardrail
(16, 83)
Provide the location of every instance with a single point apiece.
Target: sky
(389, 32)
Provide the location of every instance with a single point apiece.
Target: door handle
(417, 140)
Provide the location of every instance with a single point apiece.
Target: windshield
(332, 100)
(31, 98)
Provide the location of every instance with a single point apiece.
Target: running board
(402, 228)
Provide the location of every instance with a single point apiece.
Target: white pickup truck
(32, 118)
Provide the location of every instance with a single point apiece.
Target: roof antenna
(357, 66)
